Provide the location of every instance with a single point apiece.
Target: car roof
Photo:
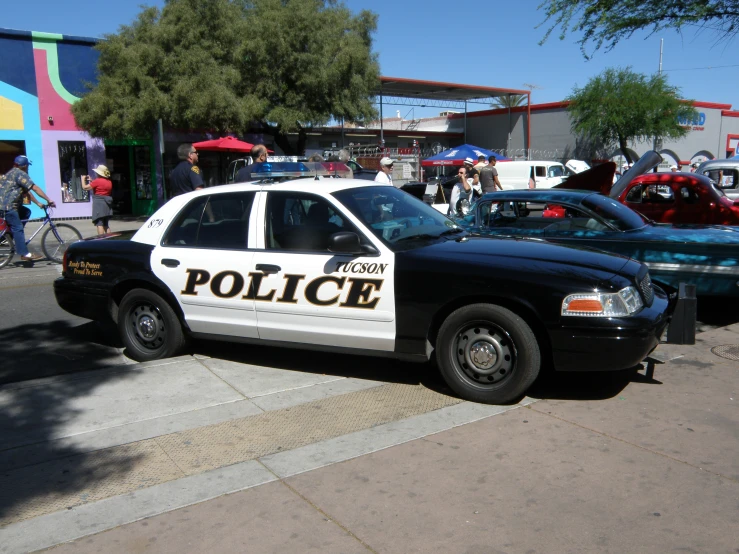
(679, 177)
(563, 195)
(323, 185)
(719, 163)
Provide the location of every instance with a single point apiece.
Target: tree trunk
(622, 145)
(302, 138)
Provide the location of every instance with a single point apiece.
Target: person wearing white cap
(385, 175)
(473, 174)
(102, 198)
(673, 168)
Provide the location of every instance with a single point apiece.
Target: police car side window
(216, 221)
(302, 222)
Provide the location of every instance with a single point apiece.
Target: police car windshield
(396, 217)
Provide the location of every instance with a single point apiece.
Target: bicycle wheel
(57, 239)
(7, 249)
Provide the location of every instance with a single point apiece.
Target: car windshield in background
(620, 216)
(396, 217)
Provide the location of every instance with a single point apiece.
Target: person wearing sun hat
(385, 175)
(102, 198)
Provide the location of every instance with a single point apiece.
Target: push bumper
(81, 299)
(610, 344)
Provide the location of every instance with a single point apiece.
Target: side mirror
(346, 242)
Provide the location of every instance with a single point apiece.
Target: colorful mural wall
(41, 76)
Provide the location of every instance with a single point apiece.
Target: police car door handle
(268, 268)
(169, 262)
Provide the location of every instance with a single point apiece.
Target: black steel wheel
(487, 353)
(148, 326)
(56, 240)
(7, 249)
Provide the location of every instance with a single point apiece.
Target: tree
(234, 65)
(610, 21)
(619, 105)
(509, 101)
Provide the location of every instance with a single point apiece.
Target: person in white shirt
(462, 189)
(385, 175)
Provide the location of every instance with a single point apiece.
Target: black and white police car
(346, 265)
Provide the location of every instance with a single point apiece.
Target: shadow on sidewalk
(340, 365)
(39, 350)
(33, 414)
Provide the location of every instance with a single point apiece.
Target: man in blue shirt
(258, 154)
(186, 176)
(13, 185)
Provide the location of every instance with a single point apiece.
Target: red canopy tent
(225, 144)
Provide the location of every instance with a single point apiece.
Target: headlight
(600, 304)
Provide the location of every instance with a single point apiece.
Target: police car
(319, 262)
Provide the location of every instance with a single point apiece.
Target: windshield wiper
(430, 236)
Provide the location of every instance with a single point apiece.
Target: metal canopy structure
(412, 92)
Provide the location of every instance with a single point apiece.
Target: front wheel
(487, 353)
(148, 326)
(7, 249)
(57, 239)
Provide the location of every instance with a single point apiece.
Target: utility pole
(657, 145)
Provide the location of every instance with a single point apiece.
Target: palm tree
(509, 101)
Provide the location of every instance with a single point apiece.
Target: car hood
(600, 177)
(504, 251)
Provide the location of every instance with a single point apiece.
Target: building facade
(41, 76)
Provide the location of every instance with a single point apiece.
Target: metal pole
(160, 132)
(342, 131)
(510, 130)
(659, 72)
(528, 125)
(465, 121)
(382, 134)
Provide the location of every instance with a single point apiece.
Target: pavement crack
(323, 513)
(623, 441)
(171, 459)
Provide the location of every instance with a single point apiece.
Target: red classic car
(673, 197)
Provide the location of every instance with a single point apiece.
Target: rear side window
(541, 171)
(216, 221)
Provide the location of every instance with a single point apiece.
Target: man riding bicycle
(13, 185)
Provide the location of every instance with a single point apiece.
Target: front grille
(644, 282)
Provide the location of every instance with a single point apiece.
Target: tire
(487, 353)
(7, 249)
(149, 327)
(52, 247)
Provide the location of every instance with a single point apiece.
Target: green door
(141, 174)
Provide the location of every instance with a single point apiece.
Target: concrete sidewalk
(336, 455)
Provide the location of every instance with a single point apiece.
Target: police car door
(309, 295)
(205, 261)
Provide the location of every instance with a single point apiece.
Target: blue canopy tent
(457, 155)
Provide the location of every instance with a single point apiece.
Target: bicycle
(54, 242)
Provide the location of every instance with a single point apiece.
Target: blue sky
(473, 42)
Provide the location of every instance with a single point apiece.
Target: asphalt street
(41, 340)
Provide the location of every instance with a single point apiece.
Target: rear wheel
(487, 353)
(55, 245)
(7, 249)
(148, 326)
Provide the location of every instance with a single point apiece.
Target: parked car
(361, 172)
(672, 197)
(725, 173)
(704, 255)
(524, 174)
(348, 266)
